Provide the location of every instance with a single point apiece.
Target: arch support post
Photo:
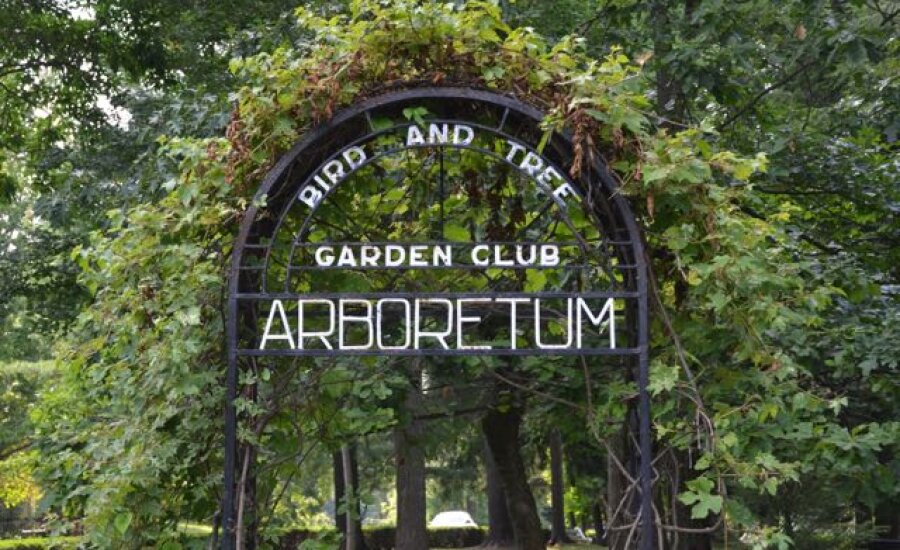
(227, 514)
(645, 436)
(645, 441)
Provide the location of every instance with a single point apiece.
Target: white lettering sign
(441, 323)
(539, 321)
(526, 160)
(439, 255)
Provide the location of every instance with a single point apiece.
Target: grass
(38, 542)
(563, 547)
(190, 529)
(46, 541)
(200, 530)
(194, 529)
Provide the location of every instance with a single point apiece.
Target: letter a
(286, 335)
(414, 136)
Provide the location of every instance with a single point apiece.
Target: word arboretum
(394, 324)
(404, 322)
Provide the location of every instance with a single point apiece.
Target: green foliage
(699, 498)
(63, 57)
(378, 538)
(38, 294)
(22, 384)
(808, 84)
(17, 485)
(86, 88)
(765, 387)
(154, 334)
(383, 538)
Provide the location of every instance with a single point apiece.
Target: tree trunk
(357, 514)
(502, 432)
(666, 85)
(599, 535)
(247, 521)
(616, 485)
(337, 468)
(887, 518)
(411, 530)
(351, 519)
(557, 490)
(500, 529)
(341, 495)
(252, 509)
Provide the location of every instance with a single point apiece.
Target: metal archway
(272, 260)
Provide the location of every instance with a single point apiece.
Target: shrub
(380, 538)
(295, 538)
(455, 537)
(383, 538)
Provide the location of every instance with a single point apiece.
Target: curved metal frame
(599, 195)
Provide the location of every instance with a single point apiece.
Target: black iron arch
(271, 222)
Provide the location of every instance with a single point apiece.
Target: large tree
(86, 90)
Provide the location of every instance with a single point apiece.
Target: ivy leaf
(456, 232)
(700, 498)
(381, 123)
(122, 521)
(190, 316)
(771, 485)
(416, 114)
(535, 280)
(662, 378)
(694, 278)
(493, 73)
(655, 173)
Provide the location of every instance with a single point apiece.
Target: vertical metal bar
(503, 119)
(441, 192)
(228, 519)
(645, 441)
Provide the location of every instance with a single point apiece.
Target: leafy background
(756, 141)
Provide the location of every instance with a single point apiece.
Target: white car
(454, 518)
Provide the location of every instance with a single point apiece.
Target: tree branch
(586, 26)
(10, 451)
(768, 89)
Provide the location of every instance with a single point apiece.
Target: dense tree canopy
(756, 141)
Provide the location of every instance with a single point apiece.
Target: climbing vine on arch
(146, 357)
